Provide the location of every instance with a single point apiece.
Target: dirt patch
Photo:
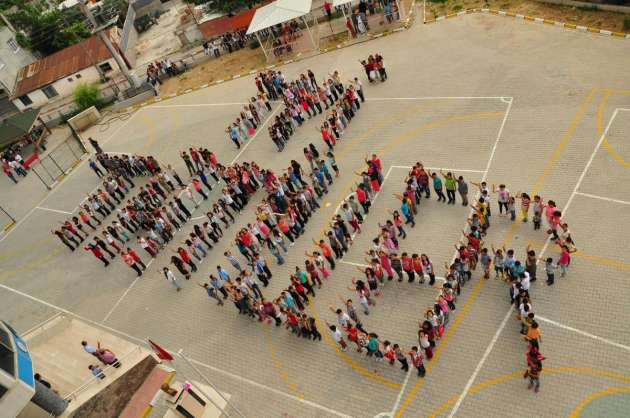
(238, 62)
(579, 16)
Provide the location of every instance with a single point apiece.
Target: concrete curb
(407, 23)
(534, 20)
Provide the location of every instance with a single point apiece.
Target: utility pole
(102, 34)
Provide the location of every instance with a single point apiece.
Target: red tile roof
(61, 64)
(224, 24)
(215, 27)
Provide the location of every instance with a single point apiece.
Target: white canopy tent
(347, 3)
(278, 12)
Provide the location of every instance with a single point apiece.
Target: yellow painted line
(346, 190)
(443, 342)
(519, 374)
(570, 25)
(619, 34)
(600, 128)
(564, 141)
(554, 157)
(577, 412)
(589, 257)
(529, 18)
(345, 357)
(593, 30)
(9, 225)
(278, 364)
(435, 124)
(549, 21)
(30, 265)
(17, 252)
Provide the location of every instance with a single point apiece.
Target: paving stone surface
(442, 105)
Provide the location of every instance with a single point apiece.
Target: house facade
(56, 76)
(12, 59)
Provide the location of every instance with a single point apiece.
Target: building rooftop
(61, 64)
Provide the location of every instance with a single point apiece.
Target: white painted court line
(486, 353)
(472, 378)
(400, 394)
(195, 105)
(505, 99)
(509, 312)
(353, 264)
(53, 210)
(275, 391)
(144, 344)
(259, 130)
(608, 199)
(455, 170)
(583, 333)
(120, 299)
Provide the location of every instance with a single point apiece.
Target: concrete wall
(145, 7)
(598, 6)
(65, 86)
(85, 119)
(129, 37)
(12, 61)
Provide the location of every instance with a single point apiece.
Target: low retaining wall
(594, 6)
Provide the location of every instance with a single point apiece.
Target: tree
(87, 95)
(225, 6)
(48, 31)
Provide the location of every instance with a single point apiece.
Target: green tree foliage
(48, 31)
(224, 6)
(87, 95)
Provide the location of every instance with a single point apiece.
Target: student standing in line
(128, 259)
(211, 292)
(96, 251)
(416, 360)
(337, 336)
(437, 186)
(170, 277)
(450, 185)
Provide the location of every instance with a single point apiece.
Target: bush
(457, 7)
(87, 95)
(626, 23)
(254, 44)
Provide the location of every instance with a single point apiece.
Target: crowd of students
(303, 98)
(241, 183)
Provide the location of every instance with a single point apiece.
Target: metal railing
(72, 396)
(59, 161)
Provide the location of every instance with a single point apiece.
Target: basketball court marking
(509, 312)
(174, 352)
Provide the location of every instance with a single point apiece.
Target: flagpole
(163, 354)
(181, 354)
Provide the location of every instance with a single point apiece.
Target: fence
(6, 221)
(59, 161)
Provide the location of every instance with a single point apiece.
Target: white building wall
(65, 86)
(10, 61)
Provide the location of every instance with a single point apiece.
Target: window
(26, 101)
(13, 45)
(50, 91)
(77, 75)
(105, 67)
(70, 79)
(7, 356)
